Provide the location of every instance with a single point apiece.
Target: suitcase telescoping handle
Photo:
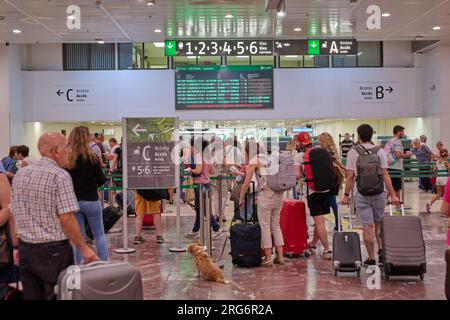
(402, 207)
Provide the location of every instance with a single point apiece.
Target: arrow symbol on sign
(136, 130)
(59, 93)
(170, 46)
(390, 89)
(313, 45)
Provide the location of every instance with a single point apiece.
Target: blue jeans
(334, 206)
(215, 226)
(92, 211)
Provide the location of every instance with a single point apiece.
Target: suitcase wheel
(422, 277)
(289, 255)
(358, 273)
(336, 265)
(307, 253)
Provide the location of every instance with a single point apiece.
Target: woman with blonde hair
(87, 175)
(326, 141)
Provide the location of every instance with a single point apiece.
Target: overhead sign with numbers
(218, 48)
(149, 145)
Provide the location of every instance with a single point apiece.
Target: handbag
(236, 192)
(189, 194)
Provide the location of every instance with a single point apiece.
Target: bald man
(43, 203)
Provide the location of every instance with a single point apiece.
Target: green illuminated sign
(170, 48)
(314, 47)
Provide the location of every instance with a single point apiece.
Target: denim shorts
(370, 208)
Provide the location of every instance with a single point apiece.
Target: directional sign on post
(149, 144)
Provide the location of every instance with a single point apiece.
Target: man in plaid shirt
(43, 203)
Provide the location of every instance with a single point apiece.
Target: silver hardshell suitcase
(100, 281)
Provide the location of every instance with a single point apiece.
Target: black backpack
(319, 170)
(369, 175)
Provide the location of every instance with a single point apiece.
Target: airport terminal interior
(146, 73)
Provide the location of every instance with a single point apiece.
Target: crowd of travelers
(47, 204)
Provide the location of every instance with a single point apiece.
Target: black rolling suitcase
(110, 217)
(245, 242)
(403, 246)
(346, 249)
(130, 199)
(447, 278)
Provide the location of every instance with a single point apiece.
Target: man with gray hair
(43, 205)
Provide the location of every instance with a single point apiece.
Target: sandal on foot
(312, 247)
(278, 261)
(266, 263)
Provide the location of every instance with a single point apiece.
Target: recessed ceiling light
(291, 56)
(17, 31)
(436, 28)
(287, 44)
(229, 16)
(192, 57)
(151, 3)
(159, 44)
(242, 57)
(386, 14)
(103, 122)
(71, 17)
(99, 41)
(158, 31)
(298, 29)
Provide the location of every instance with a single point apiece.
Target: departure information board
(224, 87)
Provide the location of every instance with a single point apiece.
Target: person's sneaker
(160, 239)
(216, 234)
(138, 240)
(370, 262)
(192, 234)
(327, 255)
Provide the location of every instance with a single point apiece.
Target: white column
(11, 97)
(4, 100)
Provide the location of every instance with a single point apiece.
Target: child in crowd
(441, 165)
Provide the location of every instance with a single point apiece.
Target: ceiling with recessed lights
(133, 20)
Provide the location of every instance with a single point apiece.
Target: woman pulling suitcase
(269, 204)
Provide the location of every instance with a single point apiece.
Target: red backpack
(319, 170)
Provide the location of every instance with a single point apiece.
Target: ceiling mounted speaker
(274, 5)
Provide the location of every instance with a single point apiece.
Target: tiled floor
(169, 275)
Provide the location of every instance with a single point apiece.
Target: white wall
(299, 93)
(397, 54)
(43, 57)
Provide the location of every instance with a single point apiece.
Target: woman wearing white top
(441, 166)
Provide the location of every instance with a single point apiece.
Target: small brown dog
(205, 265)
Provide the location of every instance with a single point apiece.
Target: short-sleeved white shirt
(353, 155)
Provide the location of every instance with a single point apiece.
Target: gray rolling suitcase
(403, 246)
(100, 281)
(346, 249)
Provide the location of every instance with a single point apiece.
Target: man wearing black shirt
(346, 145)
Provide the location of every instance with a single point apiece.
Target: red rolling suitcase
(148, 220)
(294, 228)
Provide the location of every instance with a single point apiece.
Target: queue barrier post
(202, 214)
(125, 248)
(178, 247)
(208, 237)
